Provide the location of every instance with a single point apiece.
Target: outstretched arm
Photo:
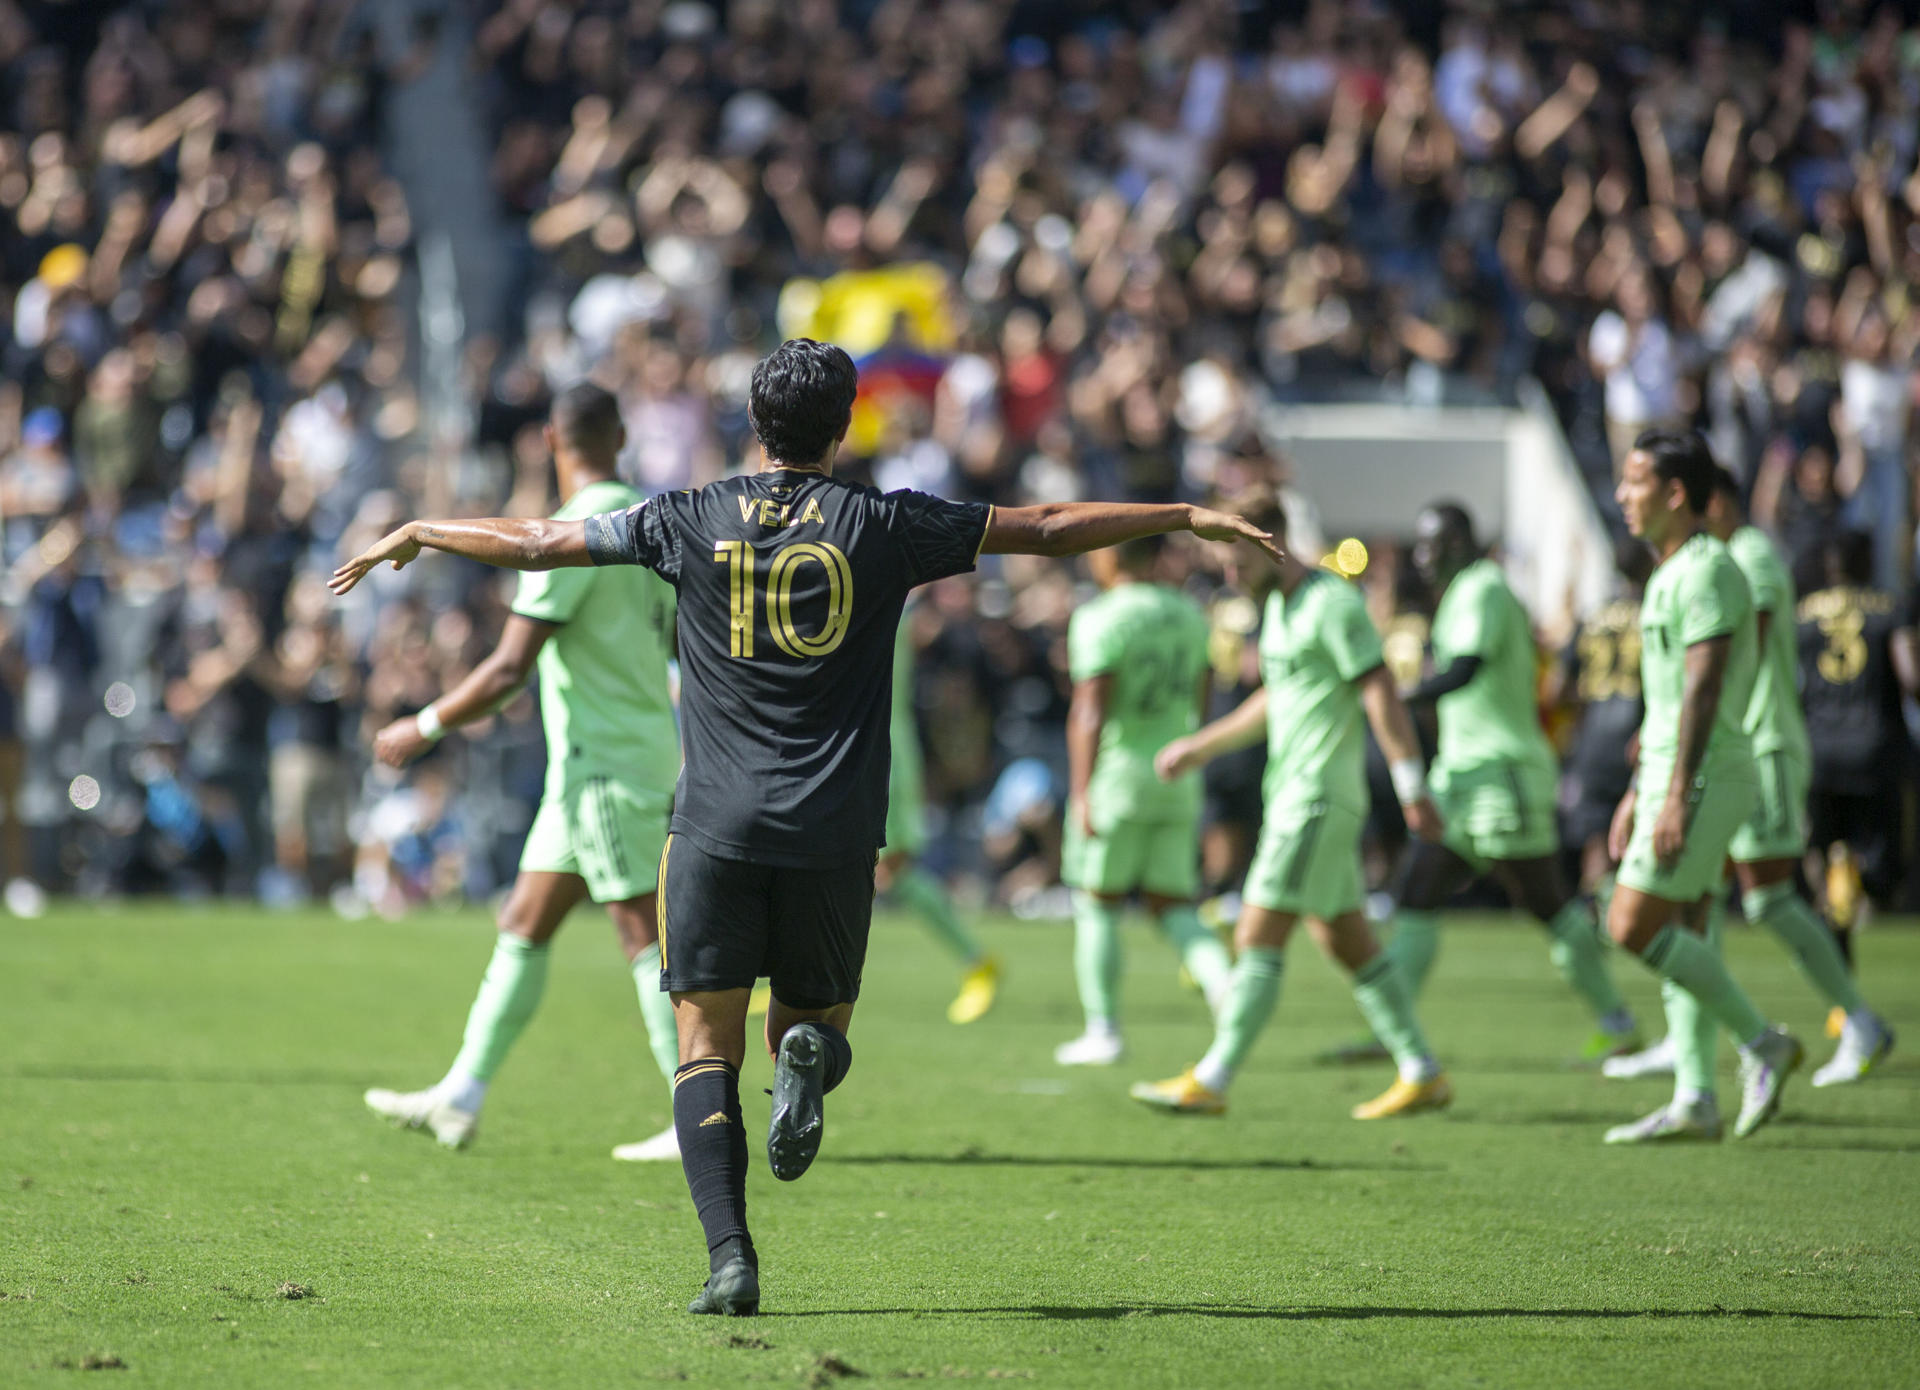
(1241, 727)
(1073, 528)
(504, 670)
(509, 542)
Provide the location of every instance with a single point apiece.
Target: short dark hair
(1260, 504)
(586, 418)
(1849, 557)
(1137, 556)
(1725, 484)
(1456, 523)
(801, 399)
(1683, 456)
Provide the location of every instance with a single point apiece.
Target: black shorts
(725, 923)
(1872, 823)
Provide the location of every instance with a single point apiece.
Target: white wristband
(429, 725)
(1409, 780)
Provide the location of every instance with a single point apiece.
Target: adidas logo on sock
(718, 1117)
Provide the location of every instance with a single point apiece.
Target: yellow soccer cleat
(1183, 1095)
(1408, 1098)
(978, 989)
(759, 1001)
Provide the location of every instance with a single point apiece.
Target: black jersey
(791, 585)
(1849, 689)
(1602, 664)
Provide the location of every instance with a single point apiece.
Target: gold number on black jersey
(1845, 656)
(738, 557)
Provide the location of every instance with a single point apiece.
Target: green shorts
(1308, 861)
(604, 829)
(1497, 812)
(1703, 859)
(906, 803)
(1158, 857)
(1777, 829)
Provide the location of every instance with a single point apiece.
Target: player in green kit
(1768, 849)
(1323, 675)
(1695, 785)
(899, 873)
(600, 639)
(1495, 779)
(1138, 657)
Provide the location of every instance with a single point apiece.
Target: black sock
(839, 1056)
(713, 1153)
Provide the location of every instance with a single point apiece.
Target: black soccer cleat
(799, 1084)
(733, 1291)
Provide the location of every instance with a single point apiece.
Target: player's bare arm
(509, 542)
(1699, 702)
(1085, 719)
(1073, 528)
(1241, 728)
(489, 685)
(1393, 727)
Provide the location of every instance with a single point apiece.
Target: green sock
(1200, 951)
(1695, 1036)
(1781, 909)
(1576, 954)
(656, 1011)
(1678, 955)
(925, 894)
(1382, 994)
(1096, 958)
(1415, 940)
(1251, 994)
(509, 993)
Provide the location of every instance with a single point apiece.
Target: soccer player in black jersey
(791, 584)
(1858, 653)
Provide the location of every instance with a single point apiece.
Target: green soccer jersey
(1495, 717)
(1152, 640)
(1774, 720)
(1313, 646)
(603, 675)
(1695, 595)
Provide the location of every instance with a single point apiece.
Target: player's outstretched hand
(1210, 525)
(399, 547)
(1423, 819)
(1176, 759)
(400, 742)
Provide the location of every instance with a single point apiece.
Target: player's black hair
(1260, 504)
(1849, 558)
(1725, 484)
(586, 419)
(1138, 555)
(801, 400)
(1682, 456)
(1457, 526)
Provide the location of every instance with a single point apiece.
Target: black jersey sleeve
(646, 534)
(938, 538)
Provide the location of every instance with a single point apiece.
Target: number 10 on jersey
(739, 558)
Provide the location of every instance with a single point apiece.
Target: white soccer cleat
(664, 1147)
(1649, 1061)
(448, 1124)
(1677, 1122)
(1862, 1045)
(1091, 1050)
(1764, 1069)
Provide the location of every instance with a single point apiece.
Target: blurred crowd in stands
(1078, 249)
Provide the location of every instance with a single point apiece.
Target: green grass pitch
(183, 1145)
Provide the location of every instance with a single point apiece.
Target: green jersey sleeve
(553, 596)
(1472, 626)
(1094, 644)
(1347, 632)
(1711, 599)
(1760, 565)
